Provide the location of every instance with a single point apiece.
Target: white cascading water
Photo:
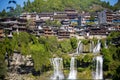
(106, 45)
(98, 74)
(79, 48)
(97, 47)
(73, 72)
(57, 65)
(91, 46)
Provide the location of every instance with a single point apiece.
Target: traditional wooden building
(63, 34)
(28, 16)
(60, 16)
(11, 25)
(109, 15)
(105, 16)
(45, 16)
(48, 31)
(98, 31)
(116, 17)
(71, 13)
(1, 32)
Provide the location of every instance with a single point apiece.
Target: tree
(3, 13)
(116, 6)
(3, 67)
(30, 24)
(65, 46)
(40, 56)
(18, 10)
(54, 23)
(51, 44)
(116, 76)
(112, 56)
(73, 41)
(92, 18)
(59, 5)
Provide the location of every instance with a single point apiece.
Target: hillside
(60, 5)
(117, 5)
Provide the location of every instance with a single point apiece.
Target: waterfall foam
(79, 48)
(91, 46)
(97, 47)
(106, 45)
(57, 65)
(98, 74)
(73, 72)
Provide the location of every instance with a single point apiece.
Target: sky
(4, 3)
(112, 2)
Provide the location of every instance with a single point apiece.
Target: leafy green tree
(116, 6)
(51, 44)
(54, 23)
(40, 56)
(20, 42)
(3, 67)
(3, 13)
(59, 5)
(65, 46)
(18, 10)
(111, 56)
(85, 42)
(116, 76)
(73, 41)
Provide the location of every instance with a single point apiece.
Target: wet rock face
(20, 63)
(18, 59)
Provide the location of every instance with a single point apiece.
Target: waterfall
(79, 48)
(91, 46)
(57, 65)
(73, 72)
(77, 51)
(98, 74)
(106, 45)
(97, 47)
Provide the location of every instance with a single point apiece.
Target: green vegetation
(3, 67)
(43, 48)
(60, 5)
(117, 6)
(85, 41)
(14, 13)
(84, 73)
(4, 47)
(85, 58)
(55, 5)
(3, 13)
(80, 5)
(65, 46)
(54, 23)
(112, 57)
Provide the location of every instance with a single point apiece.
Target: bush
(73, 41)
(85, 42)
(80, 69)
